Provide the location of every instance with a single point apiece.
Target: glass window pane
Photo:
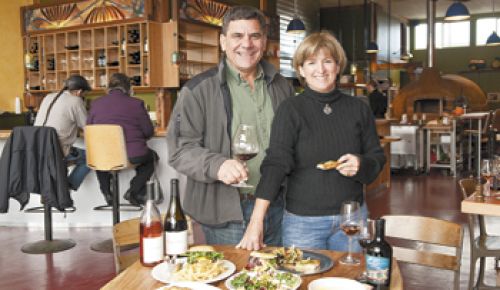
(421, 36)
(456, 34)
(484, 28)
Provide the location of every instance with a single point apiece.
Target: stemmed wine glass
(245, 147)
(351, 219)
(487, 174)
(366, 235)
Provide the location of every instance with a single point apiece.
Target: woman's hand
(348, 165)
(253, 239)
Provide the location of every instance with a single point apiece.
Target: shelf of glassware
(198, 48)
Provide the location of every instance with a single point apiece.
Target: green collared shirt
(251, 107)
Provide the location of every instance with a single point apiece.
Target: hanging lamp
(457, 11)
(296, 26)
(372, 47)
(493, 39)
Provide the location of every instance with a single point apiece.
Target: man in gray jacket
(243, 89)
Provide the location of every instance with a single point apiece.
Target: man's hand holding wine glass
(232, 171)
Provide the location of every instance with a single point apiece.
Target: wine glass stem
(349, 249)
(364, 257)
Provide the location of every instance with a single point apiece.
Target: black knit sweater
(302, 136)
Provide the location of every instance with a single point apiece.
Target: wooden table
(490, 205)
(138, 277)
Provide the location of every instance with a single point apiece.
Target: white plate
(334, 283)
(192, 285)
(163, 272)
(294, 287)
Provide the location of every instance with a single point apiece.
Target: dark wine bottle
(175, 224)
(151, 231)
(379, 259)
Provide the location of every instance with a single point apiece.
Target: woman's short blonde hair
(312, 44)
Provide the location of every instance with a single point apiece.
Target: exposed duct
(431, 32)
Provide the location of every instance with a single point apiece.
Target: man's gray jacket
(199, 141)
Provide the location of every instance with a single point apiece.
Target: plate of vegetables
(264, 278)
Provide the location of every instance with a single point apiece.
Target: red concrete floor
(436, 195)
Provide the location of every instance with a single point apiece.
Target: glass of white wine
(245, 147)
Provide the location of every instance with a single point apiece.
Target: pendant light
(457, 11)
(372, 45)
(493, 39)
(296, 26)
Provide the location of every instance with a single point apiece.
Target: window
(289, 42)
(484, 28)
(447, 34)
(420, 36)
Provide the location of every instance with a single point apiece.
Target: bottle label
(152, 249)
(377, 269)
(175, 243)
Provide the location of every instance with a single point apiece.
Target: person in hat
(65, 111)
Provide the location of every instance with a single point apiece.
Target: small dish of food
(328, 165)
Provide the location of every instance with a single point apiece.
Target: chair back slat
(424, 229)
(429, 259)
(106, 148)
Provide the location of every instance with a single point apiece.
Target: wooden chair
(481, 246)
(431, 231)
(106, 151)
(126, 236)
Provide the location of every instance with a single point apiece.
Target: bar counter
(89, 195)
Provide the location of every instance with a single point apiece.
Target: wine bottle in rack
(379, 259)
(151, 231)
(175, 224)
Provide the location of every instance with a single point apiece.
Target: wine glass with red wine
(351, 224)
(366, 235)
(245, 147)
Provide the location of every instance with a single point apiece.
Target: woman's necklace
(327, 109)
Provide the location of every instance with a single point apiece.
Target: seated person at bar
(317, 125)
(120, 108)
(65, 111)
(378, 101)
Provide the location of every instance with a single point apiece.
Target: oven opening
(429, 105)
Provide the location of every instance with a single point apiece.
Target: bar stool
(25, 151)
(106, 151)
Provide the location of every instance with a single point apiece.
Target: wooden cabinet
(136, 49)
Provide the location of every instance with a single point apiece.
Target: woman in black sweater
(318, 125)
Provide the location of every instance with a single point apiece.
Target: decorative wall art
(205, 11)
(79, 13)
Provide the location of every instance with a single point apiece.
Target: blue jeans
(77, 156)
(318, 232)
(231, 233)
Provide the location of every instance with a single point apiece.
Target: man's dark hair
(119, 81)
(77, 82)
(243, 13)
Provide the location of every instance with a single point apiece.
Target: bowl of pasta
(204, 266)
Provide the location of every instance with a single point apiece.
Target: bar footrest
(123, 207)
(41, 209)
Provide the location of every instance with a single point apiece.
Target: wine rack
(96, 53)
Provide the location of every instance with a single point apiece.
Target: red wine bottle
(379, 259)
(151, 231)
(175, 225)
